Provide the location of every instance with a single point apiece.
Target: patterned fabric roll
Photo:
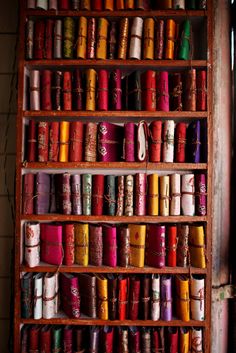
(78, 91)
(29, 47)
(164, 195)
(142, 139)
(91, 41)
(34, 90)
(102, 293)
(109, 5)
(112, 296)
(109, 246)
(102, 91)
(52, 5)
(179, 4)
(148, 47)
(153, 196)
(155, 246)
(168, 141)
(42, 201)
(185, 41)
(110, 195)
(67, 339)
(51, 247)
(76, 198)
(184, 340)
(129, 147)
(97, 5)
(129, 195)
(76, 141)
(123, 38)
(53, 152)
(81, 244)
(90, 89)
(123, 341)
(39, 35)
(197, 294)
(182, 296)
(155, 131)
(190, 91)
(194, 141)
(57, 52)
(70, 297)
(201, 195)
(46, 339)
(188, 195)
(134, 294)
(42, 4)
(66, 206)
(67, 91)
(26, 295)
(69, 36)
(50, 285)
(31, 4)
(120, 5)
(162, 91)
(32, 244)
(101, 50)
(196, 340)
(112, 41)
(182, 245)
(170, 39)
(31, 142)
(155, 297)
(43, 136)
(82, 38)
(146, 339)
(90, 142)
(159, 41)
(57, 90)
(46, 79)
(116, 91)
(69, 244)
(63, 4)
(122, 297)
(123, 248)
(201, 103)
(137, 244)
(28, 194)
(134, 338)
(129, 4)
(136, 38)
(85, 5)
(175, 195)
(176, 92)
(120, 195)
(180, 142)
(149, 90)
(38, 296)
(197, 246)
(87, 194)
(64, 141)
(134, 91)
(166, 298)
(140, 194)
(95, 245)
(171, 245)
(145, 296)
(97, 194)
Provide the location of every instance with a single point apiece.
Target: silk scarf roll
(176, 92)
(201, 195)
(123, 341)
(31, 141)
(140, 194)
(155, 133)
(136, 38)
(134, 339)
(57, 51)
(129, 195)
(82, 38)
(78, 91)
(34, 338)
(146, 339)
(149, 90)
(182, 295)
(57, 90)
(88, 293)
(26, 295)
(94, 339)
(101, 50)
(76, 141)
(76, 197)
(112, 296)
(171, 245)
(52, 5)
(137, 244)
(197, 294)
(175, 195)
(185, 41)
(90, 153)
(168, 141)
(123, 248)
(110, 195)
(42, 200)
(95, 245)
(182, 245)
(70, 297)
(67, 339)
(28, 193)
(116, 91)
(43, 138)
(163, 91)
(56, 338)
(97, 194)
(129, 142)
(51, 243)
(46, 79)
(194, 142)
(34, 90)
(32, 244)
(39, 35)
(86, 194)
(45, 339)
(69, 37)
(66, 205)
(90, 89)
(120, 195)
(112, 41)
(108, 339)
(197, 246)
(145, 296)
(53, 152)
(166, 298)
(148, 48)
(190, 91)
(153, 196)
(109, 5)
(91, 41)
(142, 141)
(155, 246)
(79, 339)
(184, 339)
(155, 297)
(109, 245)
(110, 137)
(49, 295)
(164, 195)
(63, 5)
(122, 297)
(188, 195)
(123, 38)
(67, 90)
(170, 39)
(68, 237)
(38, 296)
(201, 103)
(81, 244)
(172, 339)
(196, 340)
(102, 293)
(102, 91)
(42, 4)
(180, 142)
(158, 339)
(134, 295)
(29, 46)
(159, 39)
(134, 91)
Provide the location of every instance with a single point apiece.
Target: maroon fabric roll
(97, 5)
(67, 99)
(97, 195)
(66, 206)
(63, 4)
(43, 138)
(201, 90)
(110, 138)
(149, 90)
(34, 338)
(180, 142)
(134, 340)
(116, 91)
(39, 34)
(46, 83)
(176, 91)
(45, 339)
(28, 194)
(134, 295)
(77, 90)
(102, 100)
(48, 39)
(129, 142)
(76, 141)
(31, 142)
(53, 141)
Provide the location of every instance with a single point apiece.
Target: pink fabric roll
(163, 91)
(102, 90)
(110, 138)
(140, 194)
(129, 142)
(109, 246)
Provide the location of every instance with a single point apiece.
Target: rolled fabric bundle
(56, 90)
(176, 92)
(69, 37)
(94, 339)
(180, 142)
(109, 245)
(123, 341)
(45, 339)
(182, 245)
(168, 141)
(120, 195)
(79, 336)
(179, 4)
(129, 195)
(66, 206)
(116, 91)
(76, 141)
(201, 90)
(143, 4)
(149, 90)
(43, 137)
(163, 91)
(164, 195)
(95, 245)
(155, 246)
(110, 195)
(31, 142)
(63, 5)
(108, 339)
(155, 133)
(194, 142)
(129, 4)
(109, 5)
(197, 246)
(175, 195)
(97, 5)
(41, 4)
(26, 295)
(112, 42)
(34, 90)
(52, 5)
(112, 296)
(56, 338)
(29, 46)
(171, 245)
(202, 4)
(140, 194)
(134, 294)
(184, 339)
(97, 194)
(188, 195)
(101, 50)
(166, 298)
(32, 244)
(42, 190)
(159, 40)
(49, 295)
(164, 4)
(123, 38)
(102, 90)
(78, 91)
(70, 296)
(102, 293)
(82, 38)
(122, 297)
(82, 244)
(31, 4)
(136, 38)
(57, 52)
(137, 244)
(90, 146)
(172, 339)
(28, 194)
(123, 246)
(190, 91)
(182, 295)
(38, 296)
(68, 237)
(196, 339)
(91, 39)
(64, 141)
(170, 39)
(158, 339)
(134, 339)
(49, 39)
(142, 138)
(85, 5)
(46, 83)
(185, 41)
(197, 295)
(110, 138)
(90, 89)
(155, 297)
(129, 142)
(33, 343)
(86, 194)
(146, 339)
(67, 339)
(148, 49)
(76, 197)
(120, 5)
(67, 91)
(201, 195)
(153, 196)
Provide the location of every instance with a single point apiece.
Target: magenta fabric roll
(116, 91)
(109, 246)
(102, 99)
(201, 195)
(51, 243)
(70, 297)
(163, 91)
(129, 142)
(110, 138)
(140, 194)
(68, 339)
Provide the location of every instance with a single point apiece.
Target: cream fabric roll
(32, 244)
(42, 4)
(50, 288)
(175, 195)
(197, 295)
(34, 90)
(52, 4)
(38, 296)
(164, 195)
(58, 39)
(142, 141)
(179, 4)
(136, 38)
(129, 195)
(168, 141)
(196, 340)
(155, 301)
(188, 197)
(31, 4)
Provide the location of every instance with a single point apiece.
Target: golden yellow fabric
(197, 246)
(109, 5)
(102, 290)
(82, 244)
(170, 39)
(148, 49)
(153, 197)
(85, 5)
(123, 38)
(64, 141)
(82, 38)
(137, 244)
(90, 89)
(184, 340)
(164, 195)
(182, 291)
(101, 52)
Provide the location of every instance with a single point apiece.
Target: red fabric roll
(172, 340)
(63, 4)
(28, 194)
(32, 142)
(53, 141)
(77, 90)
(48, 39)
(45, 339)
(155, 129)
(180, 142)
(123, 297)
(68, 244)
(34, 338)
(43, 138)
(39, 34)
(201, 90)
(102, 90)
(76, 141)
(171, 245)
(149, 90)
(134, 295)
(46, 102)
(108, 335)
(97, 5)
(97, 195)
(67, 101)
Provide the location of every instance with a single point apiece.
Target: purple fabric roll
(166, 298)
(42, 200)
(66, 206)
(194, 143)
(76, 194)
(129, 142)
(201, 195)
(53, 208)
(204, 141)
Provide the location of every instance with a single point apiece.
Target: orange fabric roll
(120, 5)
(64, 141)
(170, 39)
(109, 5)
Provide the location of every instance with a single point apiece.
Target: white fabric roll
(168, 141)
(38, 296)
(136, 38)
(179, 4)
(197, 295)
(50, 288)
(142, 141)
(187, 193)
(34, 90)
(196, 340)
(32, 244)
(155, 302)
(175, 195)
